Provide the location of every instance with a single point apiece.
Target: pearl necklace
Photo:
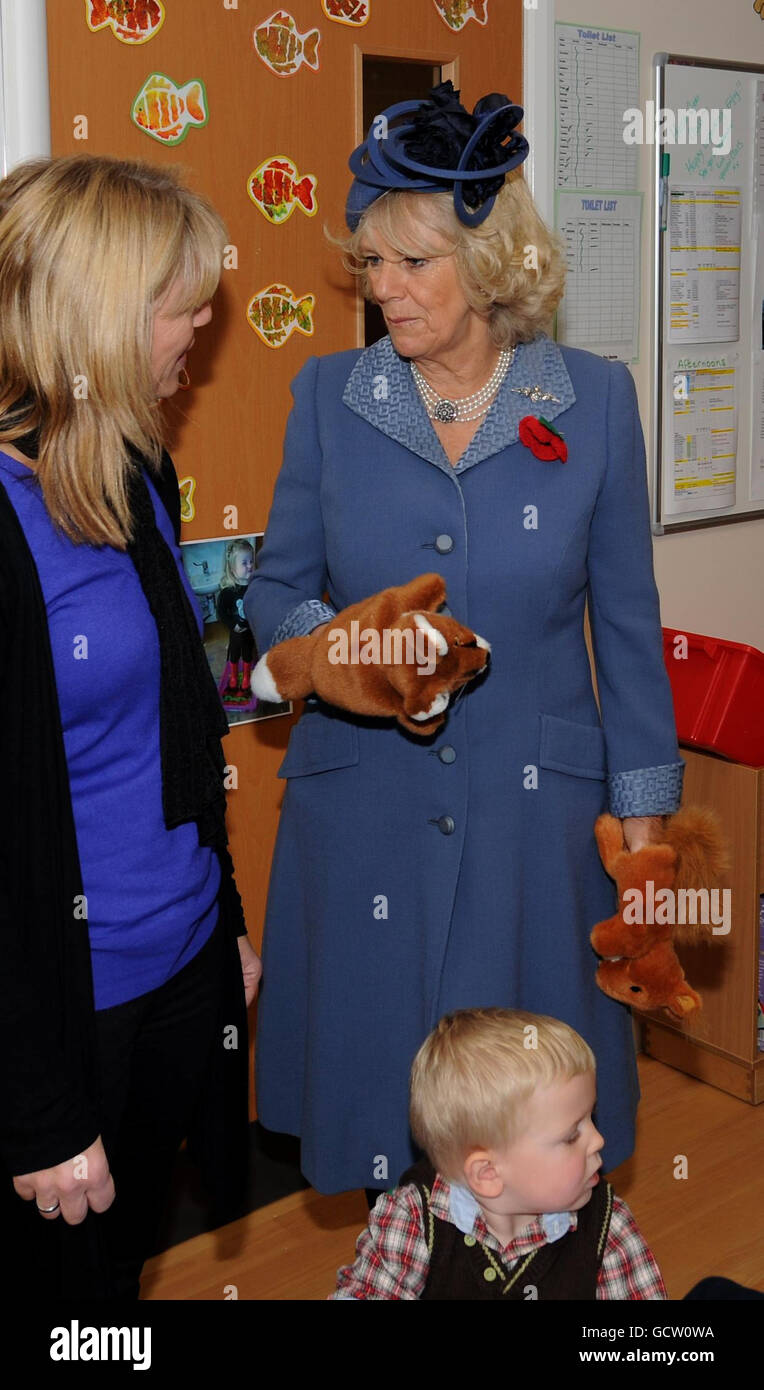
(448, 412)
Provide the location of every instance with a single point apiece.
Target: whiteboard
(707, 129)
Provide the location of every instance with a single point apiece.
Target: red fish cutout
(131, 21)
(277, 189)
(355, 12)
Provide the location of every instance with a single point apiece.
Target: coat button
(444, 544)
(446, 825)
(447, 754)
(489, 1275)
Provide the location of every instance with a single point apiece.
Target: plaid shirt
(392, 1257)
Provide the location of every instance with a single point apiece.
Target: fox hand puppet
(640, 966)
(389, 655)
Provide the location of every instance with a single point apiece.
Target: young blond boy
(508, 1202)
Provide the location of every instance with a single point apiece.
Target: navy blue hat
(442, 148)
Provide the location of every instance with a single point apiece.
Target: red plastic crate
(718, 691)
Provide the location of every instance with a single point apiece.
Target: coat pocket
(319, 743)
(577, 749)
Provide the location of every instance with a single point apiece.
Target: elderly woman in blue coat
(414, 876)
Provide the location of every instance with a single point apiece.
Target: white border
(538, 101)
(24, 94)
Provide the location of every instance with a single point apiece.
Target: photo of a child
(219, 572)
(237, 572)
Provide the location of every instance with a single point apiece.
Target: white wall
(710, 581)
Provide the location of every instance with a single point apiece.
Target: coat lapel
(381, 390)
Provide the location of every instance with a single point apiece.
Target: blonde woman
(124, 949)
(414, 876)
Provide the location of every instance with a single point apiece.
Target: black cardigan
(49, 1108)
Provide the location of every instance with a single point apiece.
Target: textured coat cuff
(302, 620)
(646, 791)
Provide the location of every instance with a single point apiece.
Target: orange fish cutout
(275, 313)
(455, 13)
(131, 21)
(187, 508)
(167, 112)
(277, 189)
(282, 48)
(355, 12)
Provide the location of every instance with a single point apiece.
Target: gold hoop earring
(184, 385)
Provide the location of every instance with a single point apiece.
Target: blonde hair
(517, 302)
(89, 245)
(473, 1075)
(238, 547)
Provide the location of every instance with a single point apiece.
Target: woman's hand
(251, 969)
(639, 831)
(81, 1182)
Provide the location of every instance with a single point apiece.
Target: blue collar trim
(381, 390)
(464, 1210)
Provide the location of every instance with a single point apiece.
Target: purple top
(151, 892)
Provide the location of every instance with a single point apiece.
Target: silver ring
(47, 1210)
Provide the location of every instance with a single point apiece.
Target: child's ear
(481, 1175)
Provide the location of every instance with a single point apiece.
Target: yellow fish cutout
(166, 112)
(187, 508)
(275, 313)
(456, 13)
(282, 48)
(131, 21)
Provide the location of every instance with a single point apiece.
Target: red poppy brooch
(542, 439)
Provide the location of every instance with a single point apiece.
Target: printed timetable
(597, 78)
(601, 235)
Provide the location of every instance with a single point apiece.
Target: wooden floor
(711, 1222)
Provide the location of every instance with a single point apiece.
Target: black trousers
(152, 1052)
(241, 647)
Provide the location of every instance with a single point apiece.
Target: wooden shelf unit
(718, 1043)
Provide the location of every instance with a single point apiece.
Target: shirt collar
(458, 1205)
(381, 390)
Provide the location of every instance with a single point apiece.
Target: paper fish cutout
(166, 112)
(455, 13)
(758, 6)
(282, 48)
(187, 508)
(131, 21)
(354, 12)
(275, 313)
(277, 189)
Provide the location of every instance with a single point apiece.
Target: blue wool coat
(412, 876)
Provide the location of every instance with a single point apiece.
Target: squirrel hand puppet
(389, 655)
(641, 967)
